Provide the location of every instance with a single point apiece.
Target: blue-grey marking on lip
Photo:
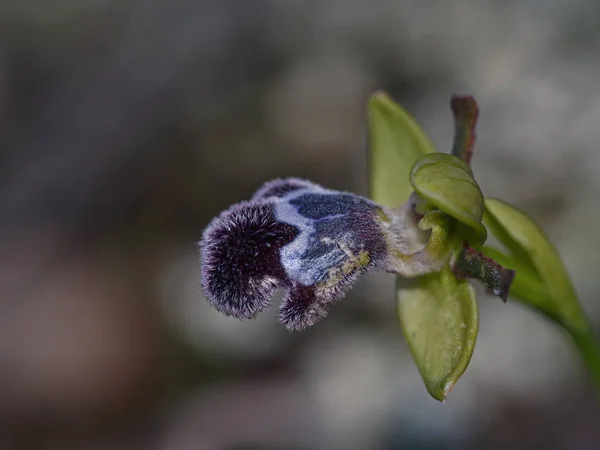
(322, 217)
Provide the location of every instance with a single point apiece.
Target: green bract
(439, 319)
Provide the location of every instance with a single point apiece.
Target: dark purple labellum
(296, 235)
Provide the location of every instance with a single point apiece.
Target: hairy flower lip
(246, 256)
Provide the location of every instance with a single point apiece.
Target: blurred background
(126, 125)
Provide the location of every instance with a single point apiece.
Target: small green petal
(439, 319)
(448, 184)
(396, 140)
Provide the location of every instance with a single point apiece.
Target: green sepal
(396, 140)
(538, 265)
(439, 318)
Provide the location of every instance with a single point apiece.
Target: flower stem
(587, 343)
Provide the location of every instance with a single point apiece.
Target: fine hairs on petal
(280, 187)
(241, 268)
(301, 308)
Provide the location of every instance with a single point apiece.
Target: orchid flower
(426, 222)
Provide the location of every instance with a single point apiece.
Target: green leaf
(538, 258)
(448, 184)
(396, 140)
(439, 319)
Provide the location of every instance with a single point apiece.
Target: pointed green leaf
(439, 319)
(447, 183)
(396, 140)
(528, 245)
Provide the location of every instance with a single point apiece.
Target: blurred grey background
(125, 126)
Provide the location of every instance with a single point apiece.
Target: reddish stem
(465, 112)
